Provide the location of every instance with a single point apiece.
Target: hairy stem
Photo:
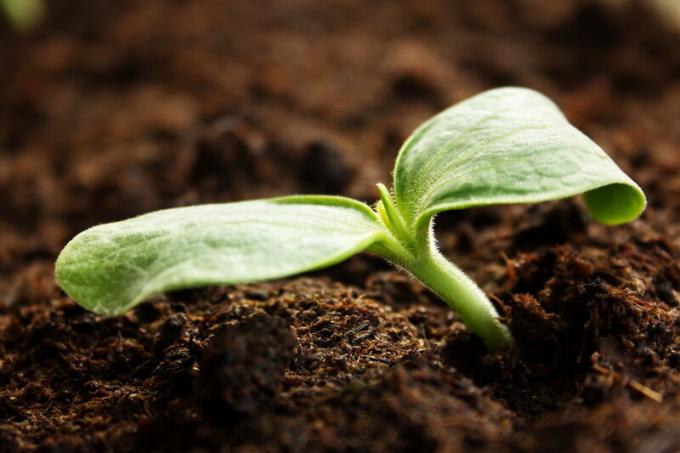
(415, 250)
(462, 294)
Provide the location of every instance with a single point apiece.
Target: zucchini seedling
(507, 145)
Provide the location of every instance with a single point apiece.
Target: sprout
(508, 145)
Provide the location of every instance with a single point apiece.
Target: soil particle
(242, 368)
(423, 406)
(619, 426)
(324, 170)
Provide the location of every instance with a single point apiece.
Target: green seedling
(508, 145)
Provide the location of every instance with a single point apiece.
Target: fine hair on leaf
(503, 146)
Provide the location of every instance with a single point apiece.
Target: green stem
(463, 295)
(415, 250)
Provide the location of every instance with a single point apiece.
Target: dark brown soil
(114, 108)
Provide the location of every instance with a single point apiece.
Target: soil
(111, 109)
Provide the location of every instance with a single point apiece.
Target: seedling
(508, 145)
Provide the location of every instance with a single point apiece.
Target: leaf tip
(616, 203)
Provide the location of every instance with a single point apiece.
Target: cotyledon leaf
(113, 267)
(508, 145)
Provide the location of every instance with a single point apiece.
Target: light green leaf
(110, 268)
(508, 145)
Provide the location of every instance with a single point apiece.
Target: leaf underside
(508, 145)
(112, 267)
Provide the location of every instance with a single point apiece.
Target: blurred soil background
(109, 109)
